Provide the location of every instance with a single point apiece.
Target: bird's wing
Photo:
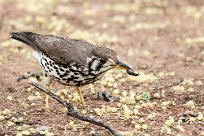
(66, 51)
(62, 50)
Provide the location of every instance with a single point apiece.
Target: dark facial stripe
(90, 64)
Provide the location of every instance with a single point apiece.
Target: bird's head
(112, 59)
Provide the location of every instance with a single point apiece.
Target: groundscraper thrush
(70, 61)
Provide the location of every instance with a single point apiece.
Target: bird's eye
(102, 61)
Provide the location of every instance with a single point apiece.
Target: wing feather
(62, 50)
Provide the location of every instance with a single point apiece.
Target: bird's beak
(121, 65)
(129, 70)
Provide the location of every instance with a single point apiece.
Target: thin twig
(74, 113)
(30, 74)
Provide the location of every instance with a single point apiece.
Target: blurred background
(162, 39)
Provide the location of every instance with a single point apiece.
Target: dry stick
(74, 113)
(30, 74)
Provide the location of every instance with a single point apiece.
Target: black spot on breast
(67, 70)
(58, 72)
(42, 64)
(75, 77)
(72, 70)
(61, 76)
(55, 67)
(75, 81)
(65, 74)
(79, 83)
(45, 60)
(50, 63)
(61, 69)
(64, 78)
(76, 73)
(86, 79)
(68, 80)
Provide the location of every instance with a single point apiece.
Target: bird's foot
(47, 107)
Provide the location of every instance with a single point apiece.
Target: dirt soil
(163, 40)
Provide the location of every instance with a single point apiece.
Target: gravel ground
(163, 40)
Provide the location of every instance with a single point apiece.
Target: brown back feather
(63, 50)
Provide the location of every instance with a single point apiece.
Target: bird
(73, 62)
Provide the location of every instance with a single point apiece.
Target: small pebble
(9, 98)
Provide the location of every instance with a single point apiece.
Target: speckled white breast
(69, 75)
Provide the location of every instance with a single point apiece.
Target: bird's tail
(25, 37)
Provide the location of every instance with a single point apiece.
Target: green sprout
(145, 96)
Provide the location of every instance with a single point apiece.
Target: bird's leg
(47, 108)
(47, 81)
(81, 97)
